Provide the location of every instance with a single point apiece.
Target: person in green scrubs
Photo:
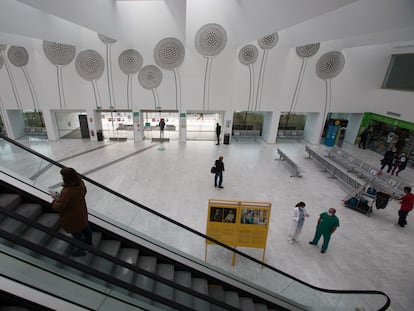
(327, 224)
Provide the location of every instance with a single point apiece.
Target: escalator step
(110, 247)
(50, 220)
(28, 210)
(9, 201)
(167, 272)
(260, 307)
(216, 292)
(183, 278)
(232, 298)
(58, 246)
(200, 285)
(246, 304)
(148, 263)
(129, 255)
(85, 260)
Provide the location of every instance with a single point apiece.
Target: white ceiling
(355, 22)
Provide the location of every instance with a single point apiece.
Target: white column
(138, 120)
(228, 123)
(270, 126)
(314, 123)
(50, 124)
(182, 127)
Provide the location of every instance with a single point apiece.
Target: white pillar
(313, 127)
(228, 123)
(138, 126)
(270, 126)
(182, 127)
(50, 124)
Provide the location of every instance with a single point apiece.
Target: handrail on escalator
(96, 273)
(332, 291)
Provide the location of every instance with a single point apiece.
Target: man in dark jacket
(388, 159)
(218, 132)
(219, 172)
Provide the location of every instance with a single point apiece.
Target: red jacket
(407, 202)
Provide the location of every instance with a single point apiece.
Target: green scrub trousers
(324, 229)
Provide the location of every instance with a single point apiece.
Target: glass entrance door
(202, 126)
(117, 124)
(152, 128)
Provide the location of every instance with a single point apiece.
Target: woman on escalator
(71, 205)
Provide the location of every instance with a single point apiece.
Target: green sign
(182, 115)
(136, 114)
(368, 116)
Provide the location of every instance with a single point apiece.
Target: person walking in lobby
(218, 177)
(327, 224)
(407, 203)
(299, 215)
(218, 132)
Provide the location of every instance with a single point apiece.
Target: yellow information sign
(238, 223)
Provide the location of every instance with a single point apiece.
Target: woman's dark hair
(300, 204)
(70, 177)
(408, 189)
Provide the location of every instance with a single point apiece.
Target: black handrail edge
(41, 290)
(333, 291)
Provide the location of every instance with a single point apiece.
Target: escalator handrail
(333, 291)
(85, 268)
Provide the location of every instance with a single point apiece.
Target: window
(400, 73)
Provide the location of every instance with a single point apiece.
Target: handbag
(213, 170)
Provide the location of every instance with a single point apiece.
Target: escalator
(129, 270)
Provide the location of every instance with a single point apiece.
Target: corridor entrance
(202, 126)
(117, 124)
(72, 124)
(152, 120)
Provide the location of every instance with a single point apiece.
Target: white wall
(355, 90)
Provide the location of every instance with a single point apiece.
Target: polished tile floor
(365, 253)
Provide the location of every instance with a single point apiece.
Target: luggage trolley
(363, 198)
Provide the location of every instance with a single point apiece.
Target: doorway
(202, 125)
(152, 120)
(247, 125)
(72, 124)
(34, 125)
(117, 124)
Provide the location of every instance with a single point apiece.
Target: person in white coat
(299, 215)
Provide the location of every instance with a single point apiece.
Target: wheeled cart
(360, 200)
(363, 198)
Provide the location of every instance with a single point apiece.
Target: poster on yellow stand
(238, 223)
